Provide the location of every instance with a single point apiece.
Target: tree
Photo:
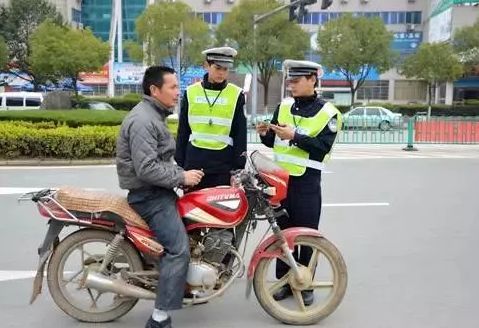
(433, 63)
(3, 54)
(466, 44)
(60, 51)
(18, 22)
(276, 38)
(159, 30)
(354, 46)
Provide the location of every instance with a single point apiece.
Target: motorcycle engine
(216, 245)
(205, 267)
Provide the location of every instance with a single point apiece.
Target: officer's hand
(193, 177)
(284, 132)
(262, 128)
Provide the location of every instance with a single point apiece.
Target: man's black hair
(154, 75)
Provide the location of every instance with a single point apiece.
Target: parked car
(372, 117)
(98, 105)
(20, 100)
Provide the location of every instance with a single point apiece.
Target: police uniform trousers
(303, 204)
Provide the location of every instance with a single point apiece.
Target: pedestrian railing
(399, 130)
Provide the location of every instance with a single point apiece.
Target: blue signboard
(192, 75)
(406, 43)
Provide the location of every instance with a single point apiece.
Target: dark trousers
(303, 205)
(157, 207)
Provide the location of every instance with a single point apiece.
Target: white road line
(354, 204)
(19, 168)
(16, 275)
(22, 190)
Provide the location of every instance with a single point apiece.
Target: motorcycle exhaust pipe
(102, 283)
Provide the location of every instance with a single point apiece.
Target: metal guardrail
(401, 130)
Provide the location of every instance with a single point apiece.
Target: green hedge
(72, 118)
(20, 140)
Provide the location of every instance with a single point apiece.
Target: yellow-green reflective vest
(211, 127)
(291, 157)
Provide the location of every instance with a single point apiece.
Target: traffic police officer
(302, 133)
(212, 123)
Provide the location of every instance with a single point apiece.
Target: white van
(20, 100)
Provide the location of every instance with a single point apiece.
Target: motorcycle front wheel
(81, 251)
(325, 277)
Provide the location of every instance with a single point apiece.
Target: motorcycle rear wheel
(73, 305)
(295, 312)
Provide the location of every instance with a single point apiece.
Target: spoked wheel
(75, 255)
(325, 276)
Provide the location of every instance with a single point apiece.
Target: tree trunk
(75, 87)
(353, 92)
(265, 94)
(429, 87)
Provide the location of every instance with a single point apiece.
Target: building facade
(69, 9)
(411, 21)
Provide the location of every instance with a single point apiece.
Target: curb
(57, 162)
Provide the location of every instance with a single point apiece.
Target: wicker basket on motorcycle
(77, 199)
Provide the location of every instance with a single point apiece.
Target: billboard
(100, 77)
(128, 73)
(406, 43)
(440, 26)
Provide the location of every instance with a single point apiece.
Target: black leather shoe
(282, 293)
(308, 297)
(155, 324)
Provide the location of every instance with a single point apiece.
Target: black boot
(282, 293)
(308, 297)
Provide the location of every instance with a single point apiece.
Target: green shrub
(20, 140)
(72, 118)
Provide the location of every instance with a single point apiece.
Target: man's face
(217, 73)
(301, 86)
(169, 93)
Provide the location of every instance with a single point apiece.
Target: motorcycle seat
(81, 200)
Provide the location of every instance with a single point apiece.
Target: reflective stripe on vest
(291, 157)
(211, 137)
(211, 127)
(299, 161)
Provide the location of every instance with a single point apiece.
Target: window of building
(324, 18)
(374, 90)
(76, 15)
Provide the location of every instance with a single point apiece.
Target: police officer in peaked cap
(212, 123)
(302, 133)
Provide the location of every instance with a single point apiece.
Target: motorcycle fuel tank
(219, 207)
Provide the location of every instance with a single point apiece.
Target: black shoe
(308, 297)
(282, 293)
(155, 324)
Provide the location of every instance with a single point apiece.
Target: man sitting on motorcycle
(145, 167)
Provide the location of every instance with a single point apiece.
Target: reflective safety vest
(293, 158)
(210, 116)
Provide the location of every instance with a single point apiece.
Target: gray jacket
(145, 149)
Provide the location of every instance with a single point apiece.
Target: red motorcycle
(100, 270)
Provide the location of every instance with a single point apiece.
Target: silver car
(372, 118)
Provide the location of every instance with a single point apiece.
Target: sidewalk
(341, 152)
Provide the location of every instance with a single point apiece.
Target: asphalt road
(412, 261)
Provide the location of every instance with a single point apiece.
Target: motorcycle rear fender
(289, 234)
(44, 252)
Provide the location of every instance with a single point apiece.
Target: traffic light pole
(257, 19)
